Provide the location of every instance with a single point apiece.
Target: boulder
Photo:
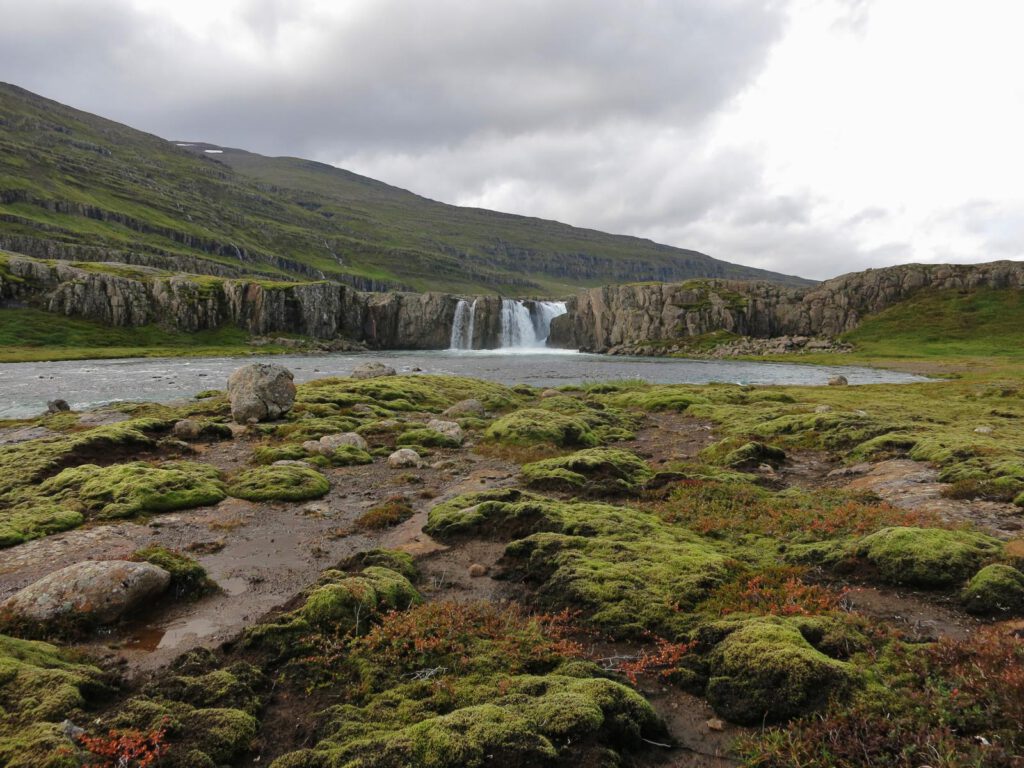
(471, 407)
(260, 392)
(404, 458)
(838, 381)
(57, 406)
(330, 443)
(311, 446)
(550, 393)
(291, 463)
(372, 371)
(447, 428)
(187, 429)
(99, 591)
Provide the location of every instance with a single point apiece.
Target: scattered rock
(550, 393)
(372, 371)
(101, 591)
(311, 446)
(714, 724)
(404, 458)
(476, 570)
(852, 471)
(291, 463)
(823, 409)
(330, 443)
(471, 407)
(260, 392)
(838, 381)
(363, 409)
(983, 430)
(187, 429)
(57, 406)
(447, 428)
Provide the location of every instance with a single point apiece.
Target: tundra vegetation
(714, 574)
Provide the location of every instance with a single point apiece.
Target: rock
(983, 430)
(404, 458)
(550, 393)
(292, 463)
(101, 591)
(838, 381)
(330, 443)
(714, 724)
(476, 570)
(471, 407)
(57, 406)
(187, 429)
(372, 371)
(447, 428)
(260, 392)
(363, 409)
(311, 446)
(823, 409)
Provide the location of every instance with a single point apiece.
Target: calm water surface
(25, 387)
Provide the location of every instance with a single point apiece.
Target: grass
(31, 335)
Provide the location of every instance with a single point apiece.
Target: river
(26, 387)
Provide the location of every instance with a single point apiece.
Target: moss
(657, 398)
(632, 571)
(389, 395)
(533, 425)
(35, 519)
(735, 452)
(427, 438)
(189, 579)
(995, 589)
(208, 393)
(764, 670)
(926, 557)
(124, 490)
(284, 483)
(400, 562)
(598, 470)
(391, 512)
(348, 603)
(267, 454)
(303, 428)
(349, 455)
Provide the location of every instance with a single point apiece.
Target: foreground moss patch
(926, 557)
(534, 425)
(597, 470)
(995, 590)
(279, 483)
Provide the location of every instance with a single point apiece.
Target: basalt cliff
(648, 317)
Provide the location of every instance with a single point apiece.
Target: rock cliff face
(603, 319)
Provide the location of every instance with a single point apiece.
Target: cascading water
(463, 325)
(527, 326)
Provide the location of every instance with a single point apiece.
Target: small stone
(330, 443)
(404, 458)
(983, 430)
(823, 409)
(838, 381)
(292, 463)
(550, 393)
(714, 724)
(766, 469)
(449, 429)
(470, 407)
(187, 429)
(372, 371)
(363, 409)
(476, 570)
(57, 406)
(311, 446)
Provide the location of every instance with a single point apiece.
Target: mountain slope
(76, 186)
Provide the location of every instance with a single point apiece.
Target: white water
(463, 325)
(524, 327)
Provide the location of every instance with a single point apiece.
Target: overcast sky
(812, 137)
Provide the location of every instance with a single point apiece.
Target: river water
(25, 387)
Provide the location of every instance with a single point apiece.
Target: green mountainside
(76, 186)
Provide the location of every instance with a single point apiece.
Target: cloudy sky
(812, 137)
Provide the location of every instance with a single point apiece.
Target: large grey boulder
(101, 591)
(471, 407)
(449, 429)
(372, 371)
(328, 444)
(404, 458)
(260, 392)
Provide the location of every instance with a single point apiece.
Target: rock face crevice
(622, 316)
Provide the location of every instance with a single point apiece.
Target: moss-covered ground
(710, 574)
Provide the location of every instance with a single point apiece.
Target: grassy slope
(136, 192)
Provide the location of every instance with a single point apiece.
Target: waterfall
(463, 325)
(527, 325)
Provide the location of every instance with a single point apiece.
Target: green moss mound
(285, 483)
(429, 438)
(632, 571)
(393, 395)
(597, 470)
(995, 590)
(347, 603)
(764, 670)
(531, 426)
(35, 519)
(189, 579)
(400, 562)
(926, 557)
(124, 490)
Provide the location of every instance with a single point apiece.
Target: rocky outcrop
(260, 392)
(615, 317)
(102, 591)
